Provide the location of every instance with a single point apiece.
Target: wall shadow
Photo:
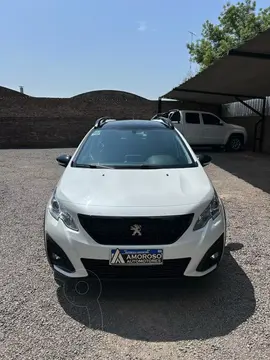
(253, 168)
(165, 311)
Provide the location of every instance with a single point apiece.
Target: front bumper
(76, 255)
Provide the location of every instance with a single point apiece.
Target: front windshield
(134, 148)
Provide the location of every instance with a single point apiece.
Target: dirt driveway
(223, 316)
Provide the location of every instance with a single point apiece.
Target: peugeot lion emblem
(136, 230)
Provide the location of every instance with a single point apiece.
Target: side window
(192, 118)
(209, 119)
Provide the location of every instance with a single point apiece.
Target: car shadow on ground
(251, 167)
(165, 311)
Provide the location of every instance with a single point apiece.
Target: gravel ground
(223, 316)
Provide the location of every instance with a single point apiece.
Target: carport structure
(242, 74)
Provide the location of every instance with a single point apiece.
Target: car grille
(171, 269)
(122, 230)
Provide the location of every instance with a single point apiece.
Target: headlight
(58, 211)
(211, 212)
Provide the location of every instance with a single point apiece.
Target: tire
(235, 143)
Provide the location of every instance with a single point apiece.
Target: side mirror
(204, 159)
(63, 160)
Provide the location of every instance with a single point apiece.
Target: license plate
(137, 257)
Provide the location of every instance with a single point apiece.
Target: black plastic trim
(114, 230)
(101, 121)
(206, 262)
(64, 263)
(171, 269)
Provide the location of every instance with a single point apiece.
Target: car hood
(237, 127)
(134, 188)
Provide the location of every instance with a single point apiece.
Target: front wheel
(235, 143)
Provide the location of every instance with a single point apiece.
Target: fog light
(55, 256)
(214, 256)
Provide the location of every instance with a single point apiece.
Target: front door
(213, 129)
(193, 128)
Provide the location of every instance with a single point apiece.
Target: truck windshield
(134, 148)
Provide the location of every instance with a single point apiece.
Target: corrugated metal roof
(230, 76)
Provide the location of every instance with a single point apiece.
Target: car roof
(134, 124)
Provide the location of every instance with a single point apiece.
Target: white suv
(202, 128)
(134, 202)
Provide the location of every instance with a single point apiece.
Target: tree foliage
(237, 23)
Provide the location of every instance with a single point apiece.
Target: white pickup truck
(202, 128)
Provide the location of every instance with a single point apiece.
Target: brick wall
(48, 122)
(31, 122)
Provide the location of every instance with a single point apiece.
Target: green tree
(236, 24)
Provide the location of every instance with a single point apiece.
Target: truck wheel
(235, 143)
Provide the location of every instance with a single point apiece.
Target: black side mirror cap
(204, 159)
(63, 160)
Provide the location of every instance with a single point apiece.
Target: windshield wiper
(93, 166)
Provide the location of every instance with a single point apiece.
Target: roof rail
(158, 115)
(101, 121)
(166, 121)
